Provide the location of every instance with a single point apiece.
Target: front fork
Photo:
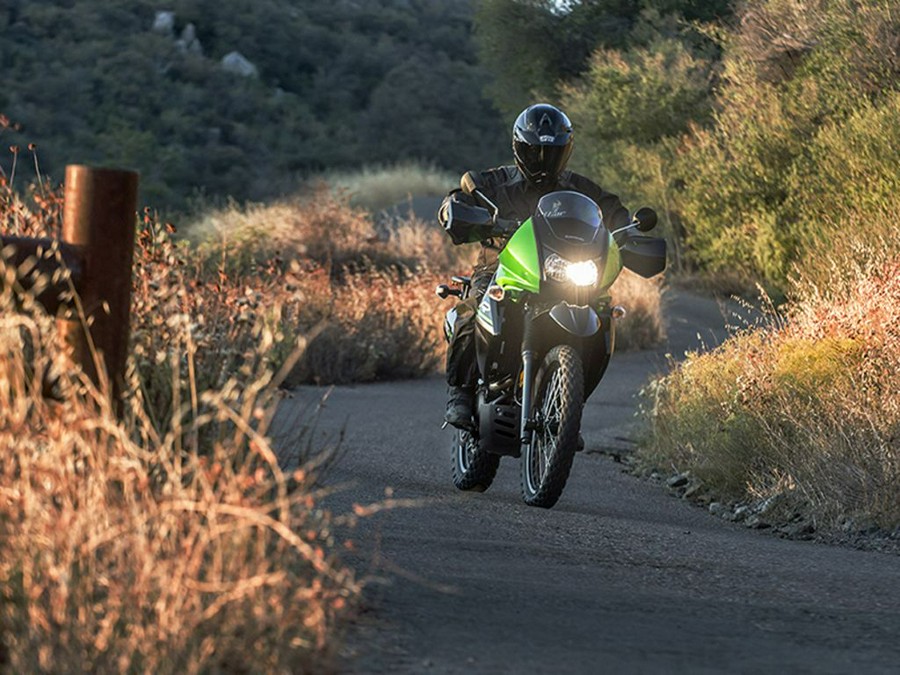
(528, 354)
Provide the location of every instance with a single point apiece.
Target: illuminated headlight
(580, 274)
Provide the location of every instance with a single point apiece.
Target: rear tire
(558, 405)
(473, 468)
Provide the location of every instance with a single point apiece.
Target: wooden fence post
(99, 218)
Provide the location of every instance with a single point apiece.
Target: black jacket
(516, 198)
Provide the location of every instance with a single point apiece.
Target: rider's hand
(505, 228)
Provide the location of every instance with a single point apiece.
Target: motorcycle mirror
(469, 182)
(645, 219)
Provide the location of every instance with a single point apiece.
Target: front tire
(558, 405)
(473, 468)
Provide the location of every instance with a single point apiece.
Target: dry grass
(126, 551)
(805, 407)
(372, 294)
(171, 540)
(379, 187)
(379, 325)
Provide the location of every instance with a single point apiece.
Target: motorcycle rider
(542, 144)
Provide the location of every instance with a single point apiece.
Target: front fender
(580, 321)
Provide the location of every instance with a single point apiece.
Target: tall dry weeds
(128, 546)
(806, 406)
(170, 540)
(643, 325)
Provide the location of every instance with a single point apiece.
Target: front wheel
(473, 468)
(547, 460)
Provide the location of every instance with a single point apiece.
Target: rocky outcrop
(233, 62)
(164, 23)
(188, 42)
(237, 63)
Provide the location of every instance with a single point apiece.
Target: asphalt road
(617, 577)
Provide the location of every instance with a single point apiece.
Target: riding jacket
(517, 198)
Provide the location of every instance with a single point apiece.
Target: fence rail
(97, 251)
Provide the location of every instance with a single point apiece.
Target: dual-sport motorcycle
(545, 331)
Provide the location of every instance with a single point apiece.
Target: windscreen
(569, 217)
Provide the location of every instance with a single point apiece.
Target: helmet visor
(540, 162)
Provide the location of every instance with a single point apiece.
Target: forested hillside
(323, 85)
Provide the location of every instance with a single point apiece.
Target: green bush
(642, 95)
(852, 166)
(794, 72)
(339, 85)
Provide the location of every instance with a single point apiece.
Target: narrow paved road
(618, 577)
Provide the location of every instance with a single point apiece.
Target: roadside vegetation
(170, 540)
(802, 413)
(796, 184)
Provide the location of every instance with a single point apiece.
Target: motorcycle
(544, 333)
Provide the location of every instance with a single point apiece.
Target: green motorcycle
(545, 331)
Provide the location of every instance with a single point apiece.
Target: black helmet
(542, 143)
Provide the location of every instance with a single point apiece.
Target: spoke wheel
(558, 404)
(473, 468)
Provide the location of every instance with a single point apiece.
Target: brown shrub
(323, 227)
(379, 325)
(170, 541)
(805, 406)
(135, 546)
(777, 35)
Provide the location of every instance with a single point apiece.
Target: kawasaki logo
(556, 210)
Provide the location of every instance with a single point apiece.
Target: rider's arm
(460, 232)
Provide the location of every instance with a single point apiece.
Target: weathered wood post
(99, 218)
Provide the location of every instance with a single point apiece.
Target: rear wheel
(558, 404)
(473, 468)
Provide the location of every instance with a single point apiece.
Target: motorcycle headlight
(580, 273)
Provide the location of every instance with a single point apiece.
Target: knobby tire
(547, 461)
(473, 471)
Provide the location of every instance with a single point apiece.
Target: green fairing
(520, 264)
(613, 265)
